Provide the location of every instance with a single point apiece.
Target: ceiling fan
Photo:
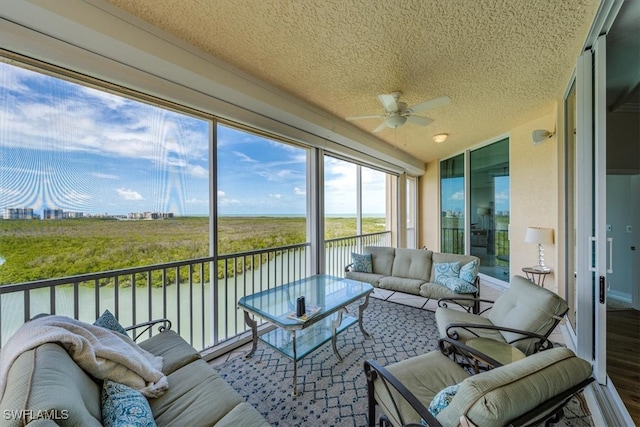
(397, 113)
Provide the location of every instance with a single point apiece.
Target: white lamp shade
(544, 236)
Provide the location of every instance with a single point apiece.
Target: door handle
(602, 289)
(610, 242)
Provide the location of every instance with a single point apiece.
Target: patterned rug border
(334, 393)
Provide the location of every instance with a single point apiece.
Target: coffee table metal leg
(361, 309)
(254, 333)
(295, 365)
(334, 327)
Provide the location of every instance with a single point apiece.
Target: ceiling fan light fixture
(395, 121)
(440, 137)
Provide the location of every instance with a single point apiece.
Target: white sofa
(413, 271)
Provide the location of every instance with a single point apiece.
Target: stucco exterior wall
(429, 207)
(535, 196)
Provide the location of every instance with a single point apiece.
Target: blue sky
(453, 194)
(67, 146)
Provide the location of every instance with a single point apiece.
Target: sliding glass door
(475, 197)
(489, 208)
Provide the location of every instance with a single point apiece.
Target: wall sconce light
(539, 136)
(541, 236)
(440, 137)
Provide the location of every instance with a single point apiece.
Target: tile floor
(487, 292)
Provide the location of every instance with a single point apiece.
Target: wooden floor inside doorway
(623, 357)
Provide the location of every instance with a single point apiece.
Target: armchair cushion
(496, 397)
(527, 307)
(425, 375)
(448, 316)
(362, 263)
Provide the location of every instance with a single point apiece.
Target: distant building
(73, 215)
(52, 214)
(18, 213)
(150, 215)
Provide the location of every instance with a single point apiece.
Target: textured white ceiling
(503, 62)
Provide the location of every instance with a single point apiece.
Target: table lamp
(541, 236)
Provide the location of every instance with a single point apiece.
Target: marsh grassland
(35, 250)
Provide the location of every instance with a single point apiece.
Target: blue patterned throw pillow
(469, 271)
(362, 263)
(459, 286)
(124, 406)
(109, 321)
(444, 270)
(442, 399)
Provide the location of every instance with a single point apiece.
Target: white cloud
(221, 193)
(276, 196)
(104, 175)
(228, 202)
(299, 191)
(129, 194)
(244, 158)
(198, 171)
(458, 195)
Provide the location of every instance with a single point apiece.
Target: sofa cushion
(459, 286)
(47, 379)
(362, 263)
(469, 271)
(124, 406)
(496, 397)
(372, 278)
(412, 264)
(197, 396)
(109, 321)
(445, 270)
(436, 291)
(243, 415)
(401, 284)
(175, 351)
(382, 258)
(529, 307)
(440, 257)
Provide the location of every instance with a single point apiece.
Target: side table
(536, 275)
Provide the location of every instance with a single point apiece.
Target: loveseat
(45, 387)
(432, 275)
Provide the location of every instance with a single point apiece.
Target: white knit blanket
(103, 353)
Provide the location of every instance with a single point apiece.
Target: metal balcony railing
(180, 291)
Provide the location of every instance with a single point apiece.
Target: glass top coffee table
(295, 338)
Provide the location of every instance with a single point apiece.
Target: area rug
(332, 393)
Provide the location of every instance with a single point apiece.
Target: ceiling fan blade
(418, 120)
(432, 103)
(379, 128)
(377, 116)
(389, 102)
